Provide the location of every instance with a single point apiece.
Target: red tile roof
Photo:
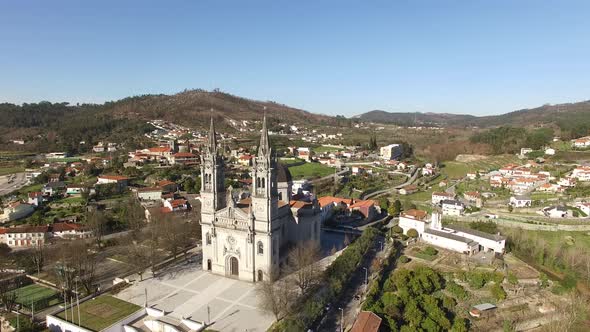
(160, 149)
(415, 214)
(366, 321)
(184, 155)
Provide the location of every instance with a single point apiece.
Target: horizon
(474, 58)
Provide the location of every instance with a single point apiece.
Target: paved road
(11, 182)
(389, 190)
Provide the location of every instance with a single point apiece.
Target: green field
(455, 169)
(64, 160)
(35, 293)
(102, 312)
(290, 161)
(310, 171)
(10, 170)
(322, 149)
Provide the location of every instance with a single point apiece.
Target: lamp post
(341, 319)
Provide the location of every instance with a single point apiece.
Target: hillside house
(119, 180)
(391, 151)
(35, 198)
(556, 212)
(245, 160)
(25, 236)
(54, 189)
(438, 197)
(452, 207)
(409, 189)
(473, 197)
(581, 143)
(16, 210)
(520, 201)
(149, 194)
(184, 158)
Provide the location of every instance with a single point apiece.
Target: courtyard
(186, 291)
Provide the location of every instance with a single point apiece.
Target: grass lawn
(289, 161)
(102, 311)
(10, 170)
(310, 171)
(455, 169)
(31, 188)
(65, 160)
(322, 149)
(33, 293)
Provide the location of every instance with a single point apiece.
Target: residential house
(167, 186)
(16, 210)
(245, 160)
(74, 189)
(184, 158)
(304, 153)
(549, 187)
(26, 236)
(452, 207)
(409, 189)
(149, 194)
(550, 151)
(368, 208)
(567, 182)
(520, 201)
(581, 143)
(366, 321)
(66, 230)
(54, 189)
(473, 197)
(438, 197)
(581, 173)
(35, 198)
(391, 151)
(556, 211)
(585, 207)
(358, 170)
(175, 205)
(119, 180)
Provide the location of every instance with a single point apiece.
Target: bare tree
(7, 295)
(96, 222)
(38, 256)
(303, 264)
(276, 296)
(140, 258)
(134, 215)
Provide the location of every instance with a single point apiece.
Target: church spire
(212, 140)
(264, 148)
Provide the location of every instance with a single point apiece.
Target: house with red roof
(184, 158)
(366, 321)
(120, 180)
(25, 236)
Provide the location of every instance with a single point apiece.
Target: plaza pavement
(185, 291)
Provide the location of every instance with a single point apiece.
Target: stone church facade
(249, 238)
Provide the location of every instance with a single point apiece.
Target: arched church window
(260, 248)
(207, 238)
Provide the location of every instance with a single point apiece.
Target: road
(331, 176)
(389, 190)
(7, 186)
(347, 301)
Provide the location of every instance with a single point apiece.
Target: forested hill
(50, 126)
(572, 119)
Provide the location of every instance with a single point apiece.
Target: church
(248, 238)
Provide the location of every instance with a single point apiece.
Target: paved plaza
(186, 291)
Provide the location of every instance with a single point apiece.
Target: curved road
(389, 190)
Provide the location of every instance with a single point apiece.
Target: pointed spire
(212, 140)
(264, 148)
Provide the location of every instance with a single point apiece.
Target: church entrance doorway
(208, 265)
(234, 267)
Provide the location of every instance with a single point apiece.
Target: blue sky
(332, 57)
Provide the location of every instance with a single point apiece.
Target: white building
(550, 152)
(459, 239)
(438, 197)
(391, 151)
(25, 236)
(452, 207)
(520, 201)
(149, 194)
(556, 212)
(582, 142)
(245, 239)
(585, 207)
(16, 210)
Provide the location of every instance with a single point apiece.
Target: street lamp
(341, 319)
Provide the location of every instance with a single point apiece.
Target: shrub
(397, 229)
(456, 290)
(403, 259)
(430, 251)
(412, 233)
(512, 279)
(498, 292)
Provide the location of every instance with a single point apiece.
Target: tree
(303, 263)
(140, 258)
(96, 222)
(412, 233)
(7, 295)
(38, 256)
(133, 216)
(276, 296)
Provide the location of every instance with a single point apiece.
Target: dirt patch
(468, 158)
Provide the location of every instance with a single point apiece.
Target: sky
(332, 57)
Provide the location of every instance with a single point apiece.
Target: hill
(573, 118)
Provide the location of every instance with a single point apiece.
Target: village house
(585, 207)
(473, 197)
(245, 160)
(438, 197)
(391, 151)
(149, 194)
(409, 189)
(35, 198)
(452, 207)
(567, 182)
(66, 230)
(520, 201)
(74, 189)
(54, 189)
(25, 236)
(119, 180)
(581, 143)
(175, 205)
(366, 321)
(304, 153)
(581, 173)
(167, 186)
(549, 187)
(184, 158)
(16, 210)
